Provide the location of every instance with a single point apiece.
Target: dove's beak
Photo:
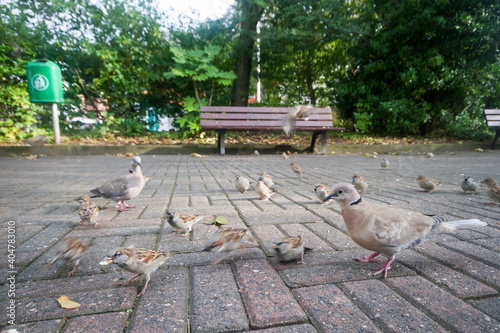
(330, 197)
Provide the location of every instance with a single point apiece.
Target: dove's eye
(340, 191)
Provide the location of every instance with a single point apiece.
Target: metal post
(55, 124)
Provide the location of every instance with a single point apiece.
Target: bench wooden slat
(250, 109)
(493, 117)
(270, 124)
(263, 116)
(491, 111)
(494, 123)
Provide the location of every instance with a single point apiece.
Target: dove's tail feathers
(451, 226)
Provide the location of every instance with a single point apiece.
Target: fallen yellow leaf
(66, 303)
(129, 154)
(479, 149)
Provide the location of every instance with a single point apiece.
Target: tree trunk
(251, 12)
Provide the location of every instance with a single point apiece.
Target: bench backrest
(260, 118)
(492, 117)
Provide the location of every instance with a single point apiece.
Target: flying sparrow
(137, 261)
(263, 191)
(241, 183)
(286, 154)
(70, 250)
(182, 222)
(360, 184)
(493, 190)
(427, 183)
(88, 210)
(321, 192)
(468, 185)
(290, 248)
(296, 169)
(266, 179)
(226, 240)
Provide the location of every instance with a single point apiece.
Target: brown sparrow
(256, 152)
(286, 154)
(70, 250)
(263, 191)
(384, 164)
(296, 169)
(266, 179)
(88, 210)
(430, 155)
(226, 240)
(468, 185)
(290, 248)
(297, 112)
(493, 190)
(123, 188)
(360, 184)
(138, 261)
(182, 222)
(241, 183)
(427, 183)
(321, 191)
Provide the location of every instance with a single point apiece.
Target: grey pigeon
(123, 188)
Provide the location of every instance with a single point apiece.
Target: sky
(212, 9)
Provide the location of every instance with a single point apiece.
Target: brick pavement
(448, 285)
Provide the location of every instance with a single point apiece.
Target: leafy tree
(251, 12)
(301, 49)
(422, 65)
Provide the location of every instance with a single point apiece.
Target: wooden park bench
(493, 120)
(240, 118)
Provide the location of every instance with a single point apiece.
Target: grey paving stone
(112, 322)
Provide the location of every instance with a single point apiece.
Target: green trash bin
(44, 82)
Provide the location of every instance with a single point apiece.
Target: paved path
(450, 285)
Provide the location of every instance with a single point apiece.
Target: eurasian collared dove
(123, 188)
(388, 230)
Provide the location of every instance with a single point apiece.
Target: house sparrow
(263, 191)
(384, 164)
(256, 152)
(182, 222)
(70, 250)
(321, 191)
(138, 261)
(241, 183)
(386, 229)
(430, 155)
(493, 190)
(297, 112)
(290, 248)
(468, 185)
(123, 188)
(296, 169)
(266, 179)
(88, 210)
(226, 240)
(360, 184)
(286, 154)
(427, 183)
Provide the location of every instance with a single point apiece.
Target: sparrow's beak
(106, 261)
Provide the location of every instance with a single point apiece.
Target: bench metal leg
(323, 141)
(220, 143)
(497, 135)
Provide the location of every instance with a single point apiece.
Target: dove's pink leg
(121, 207)
(385, 268)
(127, 206)
(370, 258)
